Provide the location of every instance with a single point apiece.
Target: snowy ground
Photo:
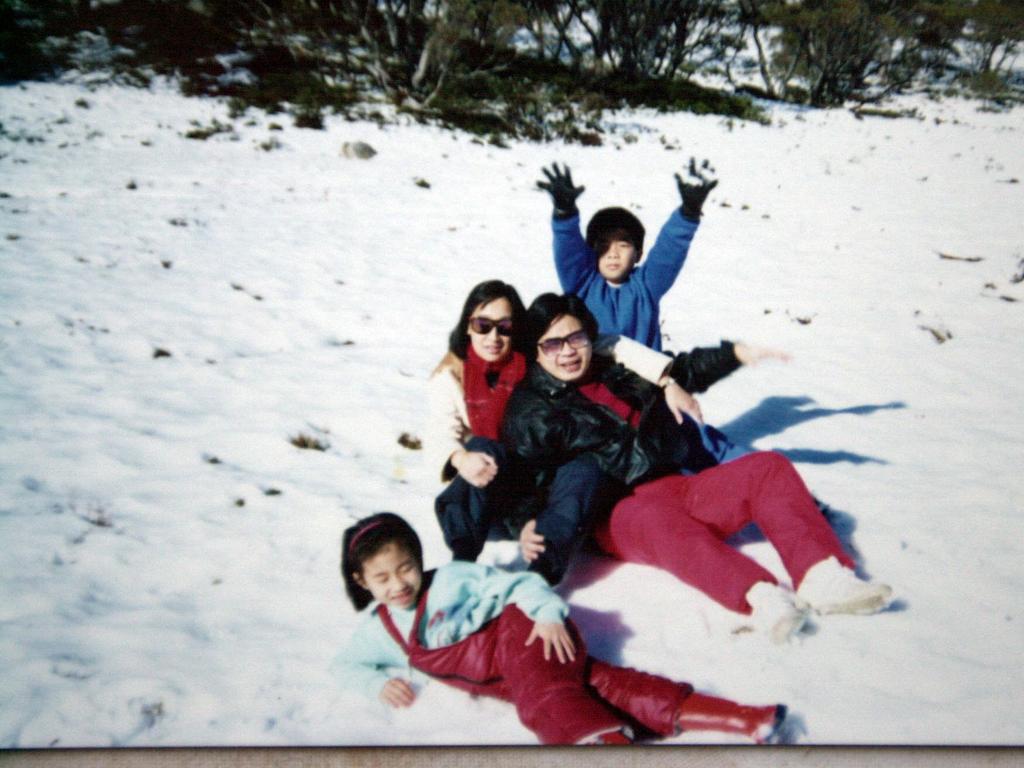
(169, 568)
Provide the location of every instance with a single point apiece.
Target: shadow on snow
(777, 414)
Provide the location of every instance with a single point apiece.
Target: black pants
(578, 493)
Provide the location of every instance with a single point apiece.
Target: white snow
(155, 590)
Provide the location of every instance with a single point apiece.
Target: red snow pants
(680, 523)
(561, 703)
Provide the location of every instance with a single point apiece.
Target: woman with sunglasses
(468, 392)
(572, 404)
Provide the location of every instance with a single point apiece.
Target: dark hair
(547, 308)
(485, 293)
(365, 539)
(610, 224)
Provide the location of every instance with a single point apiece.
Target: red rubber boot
(699, 712)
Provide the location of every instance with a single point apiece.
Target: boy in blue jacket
(604, 270)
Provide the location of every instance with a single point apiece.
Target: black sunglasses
(553, 346)
(483, 325)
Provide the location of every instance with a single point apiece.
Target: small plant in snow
(94, 514)
(308, 442)
(202, 133)
(411, 442)
(309, 117)
(941, 335)
(152, 713)
(1019, 277)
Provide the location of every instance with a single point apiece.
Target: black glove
(563, 193)
(696, 188)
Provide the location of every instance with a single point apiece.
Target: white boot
(828, 587)
(775, 611)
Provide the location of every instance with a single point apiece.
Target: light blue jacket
(462, 598)
(630, 309)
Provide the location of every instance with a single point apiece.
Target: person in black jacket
(570, 405)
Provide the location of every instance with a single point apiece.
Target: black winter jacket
(548, 422)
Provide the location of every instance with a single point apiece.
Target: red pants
(564, 703)
(679, 523)
(561, 703)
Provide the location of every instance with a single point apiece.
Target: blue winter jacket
(630, 309)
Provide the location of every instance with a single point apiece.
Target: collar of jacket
(547, 385)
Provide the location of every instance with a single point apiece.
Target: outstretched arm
(749, 354)
(701, 367)
(650, 365)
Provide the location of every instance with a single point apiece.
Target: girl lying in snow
(506, 635)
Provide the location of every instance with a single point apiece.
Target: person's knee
(552, 569)
(769, 464)
(485, 445)
(462, 517)
(779, 467)
(582, 474)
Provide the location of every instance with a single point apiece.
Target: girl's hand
(397, 693)
(478, 469)
(554, 635)
(750, 355)
(531, 543)
(679, 401)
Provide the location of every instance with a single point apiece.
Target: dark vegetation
(534, 69)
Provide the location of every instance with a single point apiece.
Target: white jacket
(447, 428)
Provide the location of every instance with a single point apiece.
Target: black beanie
(608, 220)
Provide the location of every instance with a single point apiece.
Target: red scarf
(485, 404)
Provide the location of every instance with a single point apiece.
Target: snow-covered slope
(173, 311)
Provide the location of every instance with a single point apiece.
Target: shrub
(308, 442)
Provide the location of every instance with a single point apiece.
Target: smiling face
(568, 364)
(392, 576)
(492, 347)
(617, 261)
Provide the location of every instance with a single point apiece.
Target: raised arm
(574, 261)
(666, 259)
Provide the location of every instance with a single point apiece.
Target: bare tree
(836, 49)
(652, 38)
(993, 34)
